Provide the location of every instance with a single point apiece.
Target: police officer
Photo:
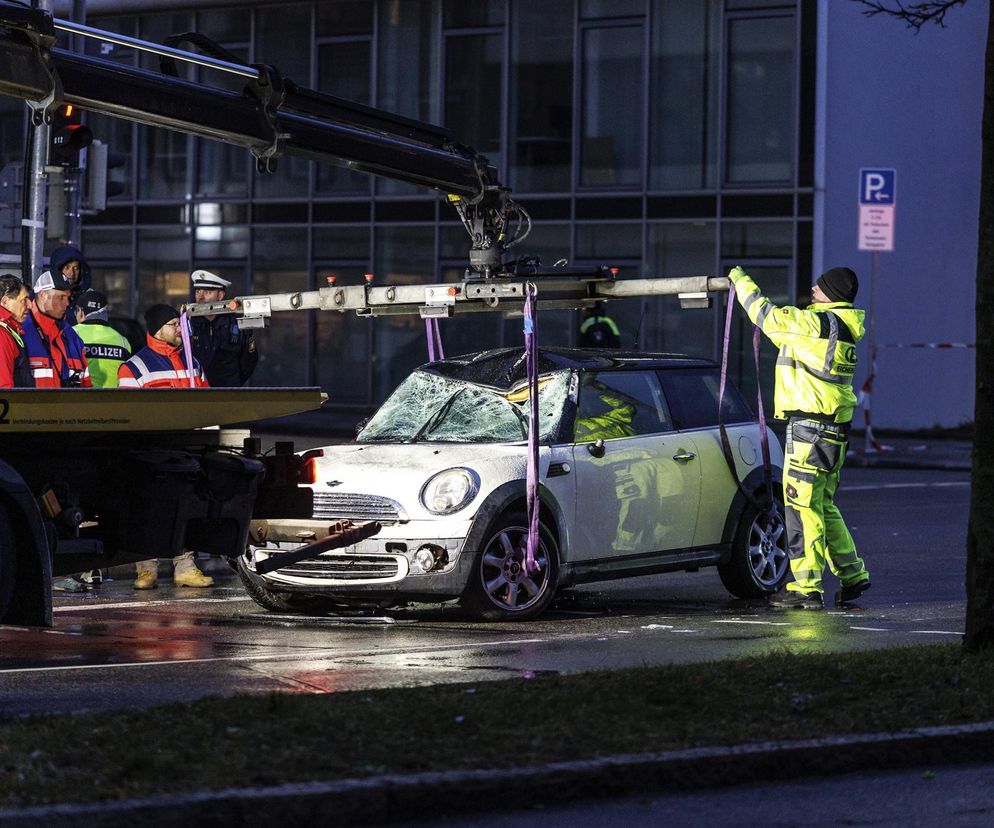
(813, 392)
(104, 347)
(226, 351)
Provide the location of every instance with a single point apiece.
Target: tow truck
(91, 477)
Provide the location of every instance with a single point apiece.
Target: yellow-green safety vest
(817, 359)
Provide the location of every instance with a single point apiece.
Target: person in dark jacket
(15, 370)
(68, 260)
(225, 350)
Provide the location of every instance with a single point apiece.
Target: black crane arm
(271, 116)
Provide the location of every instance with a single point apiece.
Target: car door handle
(684, 456)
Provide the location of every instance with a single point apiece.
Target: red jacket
(55, 352)
(159, 365)
(14, 368)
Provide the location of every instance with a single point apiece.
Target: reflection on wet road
(112, 648)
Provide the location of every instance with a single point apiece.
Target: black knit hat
(157, 316)
(92, 301)
(840, 284)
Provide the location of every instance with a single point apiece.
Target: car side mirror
(596, 448)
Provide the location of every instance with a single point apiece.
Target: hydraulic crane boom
(271, 117)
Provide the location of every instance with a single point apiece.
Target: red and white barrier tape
(928, 345)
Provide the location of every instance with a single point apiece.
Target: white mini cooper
(633, 481)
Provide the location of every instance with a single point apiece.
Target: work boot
(68, 585)
(850, 593)
(147, 579)
(192, 577)
(791, 599)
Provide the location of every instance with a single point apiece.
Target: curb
(395, 798)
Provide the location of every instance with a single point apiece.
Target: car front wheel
(759, 562)
(8, 562)
(500, 589)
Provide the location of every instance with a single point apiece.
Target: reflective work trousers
(816, 532)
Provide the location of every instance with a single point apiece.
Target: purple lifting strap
(184, 327)
(531, 368)
(434, 340)
(764, 442)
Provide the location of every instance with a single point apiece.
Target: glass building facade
(665, 137)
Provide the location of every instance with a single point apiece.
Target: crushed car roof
(505, 367)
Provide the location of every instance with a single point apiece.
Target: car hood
(399, 471)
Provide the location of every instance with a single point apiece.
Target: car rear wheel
(8, 562)
(499, 588)
(759, 563)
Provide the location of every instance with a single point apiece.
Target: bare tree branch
(914, 15)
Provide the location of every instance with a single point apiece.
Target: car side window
(692, 396)
(615, 404)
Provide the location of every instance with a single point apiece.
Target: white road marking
(871, 629)
(870, 488)
(743, 621)
(936, 632)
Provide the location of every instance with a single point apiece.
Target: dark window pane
(343, 70)
(341, 243)
(408, 69)
(684, 110)
(692, 394)
(342, 345)
(223, 168)
(757, 240)
(221, 242)
(225, 25)
(163, 155)
(280, 256)
(472, 92)
(593, 9)
(675, 251)
(612, 107)
(760, 100)
(458, 14)
(404, 256)
(342, 17)
(617, 404)
(542, 95)
(163, 267)
(283, 40)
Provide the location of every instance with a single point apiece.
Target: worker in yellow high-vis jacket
(813, 392)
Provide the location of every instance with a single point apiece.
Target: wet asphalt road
(113, 648)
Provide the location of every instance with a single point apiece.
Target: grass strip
(252, 741)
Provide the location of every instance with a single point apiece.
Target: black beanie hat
(157, 316)
(840, 284)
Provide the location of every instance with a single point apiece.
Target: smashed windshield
(433, 408)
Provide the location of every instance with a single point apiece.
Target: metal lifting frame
(556, 290)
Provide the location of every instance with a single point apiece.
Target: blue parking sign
(877, 186)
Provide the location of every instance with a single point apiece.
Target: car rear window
(620, 404)
(692, 396)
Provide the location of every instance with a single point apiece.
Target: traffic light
(69, 136)
(99, 185)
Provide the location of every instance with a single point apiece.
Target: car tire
(759, 562)
(8, 562)
(302, 603)
(497, 589)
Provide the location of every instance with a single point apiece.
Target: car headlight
(450, 490)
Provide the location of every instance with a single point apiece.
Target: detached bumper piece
(342, 533)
